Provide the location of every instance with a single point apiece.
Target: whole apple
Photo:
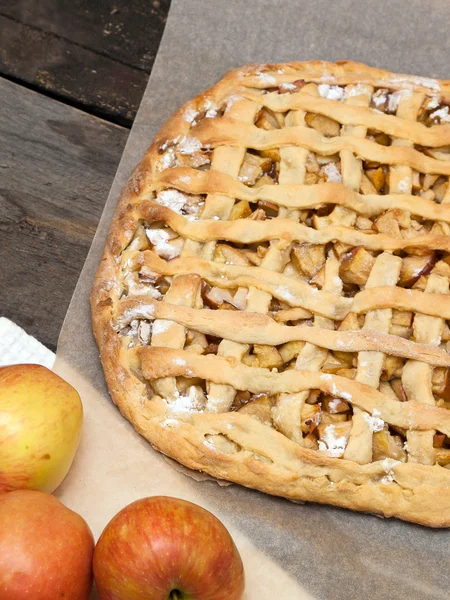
(163, 548)
(45, 549)
(41, 417)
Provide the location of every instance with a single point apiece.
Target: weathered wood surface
(56, 168)
(96, 55)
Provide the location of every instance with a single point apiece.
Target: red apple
(45, 549)
(163, 548)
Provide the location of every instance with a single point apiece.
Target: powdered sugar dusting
(160, 326)
(441, 114)
(410, 82)
(387, 465)
(210, 108)
(266, 79)
(139, 289)
(403, 186)
(433, 102)
(355, 90)
(160, 240)
(231, 100)
(189, 145)
(331, 92)
(167, 160)
(333, 405)
(170, 423)
(287, 87)
(375, 423)
(173, 199)
(190, 402)
(331, 444)
(379, 100)
(190, 115)
(144, 332)
(396, 97)
(284, 293)
(332, 173)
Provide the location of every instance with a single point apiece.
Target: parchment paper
(289, 551)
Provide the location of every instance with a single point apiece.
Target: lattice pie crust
(272, 304)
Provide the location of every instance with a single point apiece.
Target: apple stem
(174, 595)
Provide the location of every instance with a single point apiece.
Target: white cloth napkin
(17, 347)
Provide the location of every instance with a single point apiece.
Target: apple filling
(341, 247)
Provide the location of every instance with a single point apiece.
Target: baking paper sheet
(290, 551)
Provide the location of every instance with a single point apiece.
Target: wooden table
(71, 78)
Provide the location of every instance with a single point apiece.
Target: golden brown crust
(253, 453)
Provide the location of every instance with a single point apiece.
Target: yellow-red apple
(41, 417)
(162, 548)
(45, 549)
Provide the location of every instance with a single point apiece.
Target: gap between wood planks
(57, 166)
(94, 56)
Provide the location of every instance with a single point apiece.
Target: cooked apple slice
(363, 224)
(350, 323)
(392, 367)
(366, 186)
(377, 178)
(385, 445)
(250, 170)
(397, 386)
(324, 125)
(291, 88)
(310, 442)
(269, 208)
(241, 398)
(268, 356)
(241, 210)
(308, 259)
(215, 297)
(312, 166)
(441, 383)
(402, 317)
(388, 224)
(440, 190)
(258, 215)
(443, 456)
(268, 120)
(273, 154)
(290, 350)
(400, 331)
(442, 268)
(346, 372)
(260, 408)
(334, 405)
(311, 416)
(332, 419)
(356, 266)
(266, 180)
(428, 181)
(438, 440)
(414, 267)
(230, 256)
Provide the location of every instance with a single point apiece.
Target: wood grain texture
(70, 72)
(56, 167)
(95, 55)
(128, 31)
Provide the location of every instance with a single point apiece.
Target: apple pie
(272, 306)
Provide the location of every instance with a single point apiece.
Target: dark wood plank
(125, 30)
(56, 168)
(101, 85)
